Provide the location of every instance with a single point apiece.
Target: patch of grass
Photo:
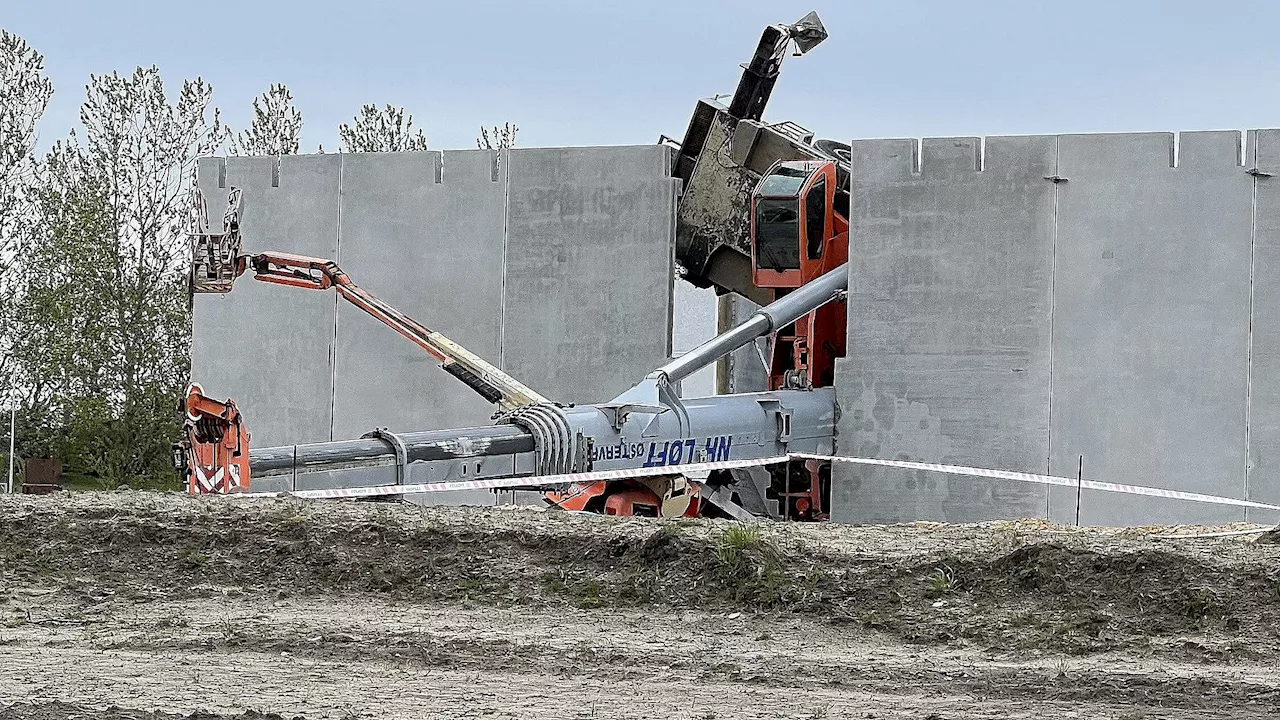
(479, 586)
(942, 582)
(735, 542)
(749, 567)
(194, 558)
(292, 517)
(555, 581)
(230, 633)
(589, 594)
(1199, 603)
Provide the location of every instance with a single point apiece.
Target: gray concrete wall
(745, 369)
(1263, 483)
(555, 264)
(1151, 323)
(1104, 297)
(589, 281)
(694, 312)
(431, 245)
(948, 327)
(267, 347)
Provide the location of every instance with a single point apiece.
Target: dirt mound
(998, 585)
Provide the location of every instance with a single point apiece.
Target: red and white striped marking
(527, 481)
(1047, 480)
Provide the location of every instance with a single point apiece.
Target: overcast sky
(587, 72)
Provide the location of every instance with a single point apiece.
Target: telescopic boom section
(311, 273)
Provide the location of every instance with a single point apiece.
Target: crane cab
(795, 235)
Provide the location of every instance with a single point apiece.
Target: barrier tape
(640, 472)
(1047, 480)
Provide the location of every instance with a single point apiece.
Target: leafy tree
(276, 127)
(385, 130)
(24, 95)
(500, 138)
(105, 330)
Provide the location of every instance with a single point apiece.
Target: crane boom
(217, 262)
(311, 273)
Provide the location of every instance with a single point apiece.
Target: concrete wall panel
(1151, 322)
(556, 263)
(948, 333)
(694, 322)
(428, 240)
(589, 276)
(747, 368)
(267, 346)
(1263, 157)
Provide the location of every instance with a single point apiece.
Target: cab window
(815, 218)
(778, 233)
(783, 181)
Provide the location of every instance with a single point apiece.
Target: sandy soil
(130, 605)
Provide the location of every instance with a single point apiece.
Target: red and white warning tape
(1047, 480)
(593, 476)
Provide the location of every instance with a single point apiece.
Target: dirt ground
(120, 606)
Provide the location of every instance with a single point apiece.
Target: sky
(595, 72)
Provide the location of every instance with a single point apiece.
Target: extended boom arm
(311, 273)
(217, 262)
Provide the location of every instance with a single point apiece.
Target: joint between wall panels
(1248, 395)
(1053, 289)
(505, 170)
(333, 340)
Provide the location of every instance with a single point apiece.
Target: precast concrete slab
(553, 263)
(694, 313)
(948, 327)
(1144, 351)
(746, 369)
(269, 347)
(424, 232)
(1151, 323)
(589, 268)
(1262, 162)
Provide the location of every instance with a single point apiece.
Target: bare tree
(105, 341)
(387, 130)
(501, 137)
(276, 127)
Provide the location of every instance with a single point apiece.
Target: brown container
(43, 476)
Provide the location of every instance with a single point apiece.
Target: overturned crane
(792, 237)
